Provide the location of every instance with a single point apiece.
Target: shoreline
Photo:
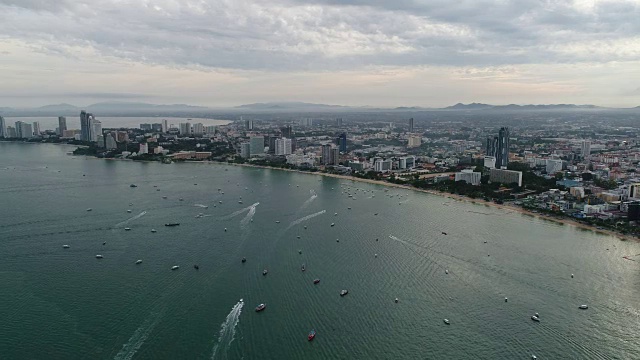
(455, 197)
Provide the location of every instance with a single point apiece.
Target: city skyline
(217, 54)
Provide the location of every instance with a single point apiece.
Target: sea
(380, 243)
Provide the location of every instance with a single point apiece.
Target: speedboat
(533, 357)
(244, 260)
(333, 224)
(315, 281)
(336, 214)
(303, 267)
(175, 267)
(65, 246)
(344, 292)
(261, 307)
(164, 197)
(397, 300)
(89, 209)
(375, 214)
(128, 211)
(127, 229)
(312, 335)
(133, 185)
(535, 318)
(505, 299)
(98, 256)
(583, 307)
(240, 202)
(277, 221)
(446, 321)
(171, 224)
(349, 208)
(298, 236)
(153, 230)
(139, 262)
(264, 272)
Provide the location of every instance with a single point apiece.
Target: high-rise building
(248, 124)
(3, 128)
(165, 125)
(283, 146)
(308, 122)
(185, 128)
(245, 150)
(97, 130)
(11, 132)
(144, 148)
(36, 128)
(145, 127)
(122, 136)
(411, 125)
(87, 129)
(272, 144)
(502, 151)
(335, 156)
(326, 154)
(553, 166)
(198, 129)
(633, 213)
(492, 146)
(210, 129)
(490, 162)
(342, 142)
(469, 176)
(110, 141)
(382, 165)
(339, 122)
(287, 132)
(585, 149)
(414, 141)
(156, 127)
(256, 145)
(24, 130)
(62, 125)
(505, 176)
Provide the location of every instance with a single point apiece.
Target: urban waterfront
(66, 304)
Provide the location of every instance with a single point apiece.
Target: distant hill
(479, 106)
(472, 106)
(291, 106)
(139, 107)
(58, 107)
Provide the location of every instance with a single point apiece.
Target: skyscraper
(410, 124)
(287, 132)
(342, 142)
(339, 122)
(18, 129)
(36, 128)
(62, 125)
(248, 124)
(492, 146)
(585, 149)
(23, 130)
(165, 126)
(185, 128)
(256, 145)
(97, 129)
(335, 156)
(3, 128)
(84, 126)
(283, 146)
(326, 154)
(198, 129)
(502, 150)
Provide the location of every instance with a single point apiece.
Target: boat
(444, 233)
(446, 271)
(277, 221)
(446, 321)
(535, 318)
(298, 236)
(397, 300)
(175, 267)
(171, 224)
(164, 197)
(89, 209)
(375, 214)
(312, 335)
(505, 299)
(533, 357)
(244, 260)
(264, 272)
(336, 214)
(196, 266)
(299, 251)
(315, 281)
(98, 256)
(240, 202)
(583, 307)
(181, 199)
(333, 224)
(305, 226)
(344, 292)
(303, 267)
(225, 229)
(127, 229)
(349, 208)
(130, 204)
(261, 307)
(153, 230)
(128, 211)
(65, 246)
(572, 276)
(133, 185)
(139, 262)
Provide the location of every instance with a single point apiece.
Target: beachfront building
(283, 146)
(506, 176)
(470, 176)
(256, 145)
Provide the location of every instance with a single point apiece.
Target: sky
(221, 53)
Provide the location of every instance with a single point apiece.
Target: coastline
(455, 197)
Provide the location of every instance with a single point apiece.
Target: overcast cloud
(351, 52)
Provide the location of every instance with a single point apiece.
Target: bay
(65, 304)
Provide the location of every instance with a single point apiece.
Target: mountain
(58, 107)
(290, 106)
(472, 106)
(121, 107)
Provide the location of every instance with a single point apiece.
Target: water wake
(309, 200)
(234, 214)
(296, 222)
(249, 216)
(131, 219)
(138, 338)
(227, 331)
(201, 205)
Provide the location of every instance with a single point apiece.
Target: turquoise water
(66, 304)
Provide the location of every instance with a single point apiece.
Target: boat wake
(227, 331)
(309, 200)
(138, 338)
(234, 214)
(249, 216)
(201, 205)
(308, 217)
(131, 219)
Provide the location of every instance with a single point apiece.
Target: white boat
(446, 271)
(139, 262)
(220, 201)
(535, 318)
(164, 197)
(98, 256)
(505, 299)
(583, 307)
(153, 230)
(65, 246)
(89, 209)
(533, 357)
(175, 267)
(127, 229)
(333, 224)
(277, 221)
(344, 292)
(128, 211)
(336, 214)
(446, 321)
(349, 208)
(397, 300)
(240, 202)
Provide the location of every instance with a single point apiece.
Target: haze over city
(357, 53)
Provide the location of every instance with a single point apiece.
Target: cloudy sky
(348, 52)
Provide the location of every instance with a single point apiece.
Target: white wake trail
(234, 214)
(228, 331)
(308, 217)
(131, 219)
(201, 205)
(250, 214)
(309, 200)
(138, 338)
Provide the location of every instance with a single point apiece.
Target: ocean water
(61, 303)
